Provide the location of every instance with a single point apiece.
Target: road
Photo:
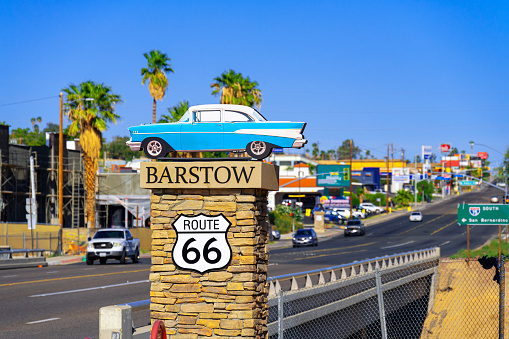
(64, 301)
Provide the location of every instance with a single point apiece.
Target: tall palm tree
(235, 89)
(89, 118)
(156, 71)
(33, 123)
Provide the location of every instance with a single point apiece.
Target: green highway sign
(333, 175)
(468, 183)
(483, 214)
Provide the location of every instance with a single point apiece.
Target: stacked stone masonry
(230, 303)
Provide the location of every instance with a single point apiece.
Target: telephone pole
(351, 193)
(387, 192)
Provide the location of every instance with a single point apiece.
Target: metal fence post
(501, 301)
(24, 247)
(280, 315)
(381, 308)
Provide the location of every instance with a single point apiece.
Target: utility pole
(387, 193)
(61, 173)
(403, 156)
(351, 193)
(415, 182)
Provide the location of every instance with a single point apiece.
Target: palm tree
(235, 89)
(33, 123)
(176, 112)
(315, 150)
(39, 120)
(156, 71)
(89, 118)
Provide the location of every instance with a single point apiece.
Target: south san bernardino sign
(201, 244)
(483, 214)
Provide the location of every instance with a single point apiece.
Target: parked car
(333, 216)
(416, 216)
(218, 127)
(112, 244)
(345, 212)
(494, 199)
(372, 208)
(276, 235)
(305, 237)
(354, 227)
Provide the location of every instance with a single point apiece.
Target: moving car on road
(494, 199)
(354, 227)
(112, 243)
(416, 216)
(218, 127)
(305, 237)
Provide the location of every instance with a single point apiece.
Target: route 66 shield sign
(201, 244)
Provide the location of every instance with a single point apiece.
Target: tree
(176, 112)
(453, 151)
(418, 159)
(344, 150)
(237, 90)
(316, 151)
(90, 118)
(118, 150)
(156, 71)
(33, 123)
(403, 198)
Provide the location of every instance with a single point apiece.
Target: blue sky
(409, 73)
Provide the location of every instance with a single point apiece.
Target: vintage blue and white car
(218, 127)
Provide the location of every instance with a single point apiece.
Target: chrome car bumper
(299, 143)
(133, 145)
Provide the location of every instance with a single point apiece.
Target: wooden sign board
(210, 174)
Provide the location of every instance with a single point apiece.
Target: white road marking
(88, 289)
(444, 243)
(272, 264)
(398, 245)
(10, 276)
(52, 272)
(42, 321)
(88, 269)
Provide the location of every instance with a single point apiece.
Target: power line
(31, 100)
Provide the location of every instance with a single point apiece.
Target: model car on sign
(416, 216)
(218, 127)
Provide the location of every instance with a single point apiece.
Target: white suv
(371, 208)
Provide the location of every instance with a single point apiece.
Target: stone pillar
(231, 302)
(319, 221)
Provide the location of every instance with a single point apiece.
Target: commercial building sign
(445, 148)
(482, 155)
(333, 175)
(427, 152)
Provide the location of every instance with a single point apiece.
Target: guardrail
(9, 258)
(346, 300)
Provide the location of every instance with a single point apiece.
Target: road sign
(333, 175)
(445, 148)
(483, 214)
(427, 152)
(201, 243)
(468, 182)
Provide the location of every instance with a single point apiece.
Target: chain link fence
(386, 297)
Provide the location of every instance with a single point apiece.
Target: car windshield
(303, 232)
(416, 213)
(185, 117)
(353, 223)
(109, 235)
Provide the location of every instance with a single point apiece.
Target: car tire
(294, 246)
(258, 149)
(345, 235)
(90, 261)
(136, 257)
(102, 261)
(155, 148)
(377, 212)
(122, 257)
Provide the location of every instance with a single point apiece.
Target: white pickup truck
(113, 243)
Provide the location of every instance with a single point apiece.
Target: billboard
(333, 175)
(482, 155)
(427, 151)
(445, 148)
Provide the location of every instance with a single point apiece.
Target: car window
(109, 235)
(129, 234)
(354, 222)
(233, 116)
(303, 232)
(185, 117)
(207, 116)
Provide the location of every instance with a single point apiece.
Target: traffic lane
(40, 273)
(70, 308)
